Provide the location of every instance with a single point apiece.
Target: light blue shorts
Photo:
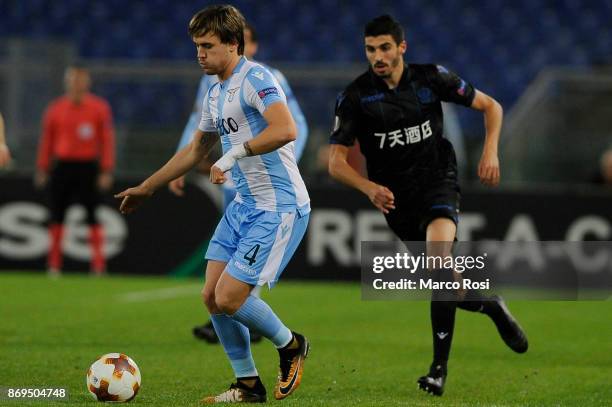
(257, 244)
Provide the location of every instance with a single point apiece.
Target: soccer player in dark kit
(394, 111)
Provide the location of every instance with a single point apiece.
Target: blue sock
(259, 317)
(235, 340)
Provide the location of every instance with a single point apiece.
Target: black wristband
(247, 148)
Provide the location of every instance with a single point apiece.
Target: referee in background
(76, 159)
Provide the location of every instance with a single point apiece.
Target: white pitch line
(160, 294)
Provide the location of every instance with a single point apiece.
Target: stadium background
(547, 62)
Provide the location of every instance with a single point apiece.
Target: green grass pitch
(363, 353)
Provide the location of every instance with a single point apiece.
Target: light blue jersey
(234, 108)
(264, 224)
(208, 80)
(296, 112)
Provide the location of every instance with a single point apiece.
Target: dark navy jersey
(400, 131)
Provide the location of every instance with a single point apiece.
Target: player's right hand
(177, 186)
(381, 197)
(488, 169)
(40, 179)
(216, 175)
(133, 198)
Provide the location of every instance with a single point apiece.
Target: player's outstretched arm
(179, 164)
(280, 131)
(339, 168)
(488, 167)
(177, 185)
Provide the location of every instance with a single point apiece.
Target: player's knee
(208, 296)
(226, 303)
(441, 231)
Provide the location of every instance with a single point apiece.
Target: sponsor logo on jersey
(267, 91)
(259, 75)
(405, 136)
(245, 268)
(372, 98)
(226, 126)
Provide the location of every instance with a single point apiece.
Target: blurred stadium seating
(500, 45)
(480, 40)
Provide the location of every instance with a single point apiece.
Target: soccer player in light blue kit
(250, 49)
(207, 331)
(265, 223)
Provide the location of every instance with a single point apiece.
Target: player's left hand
(133, 198)
(105, 181)
(488, 169)
(216, 175)
(177, 186)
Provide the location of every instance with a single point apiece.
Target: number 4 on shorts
(251, 255)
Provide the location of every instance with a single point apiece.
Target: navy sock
(443, 307)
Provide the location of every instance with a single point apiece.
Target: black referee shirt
(400, 131)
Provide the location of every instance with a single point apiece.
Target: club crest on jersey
(425, 95)
(372, 98)
(231, 93)
(259, 75)
(405, 136)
